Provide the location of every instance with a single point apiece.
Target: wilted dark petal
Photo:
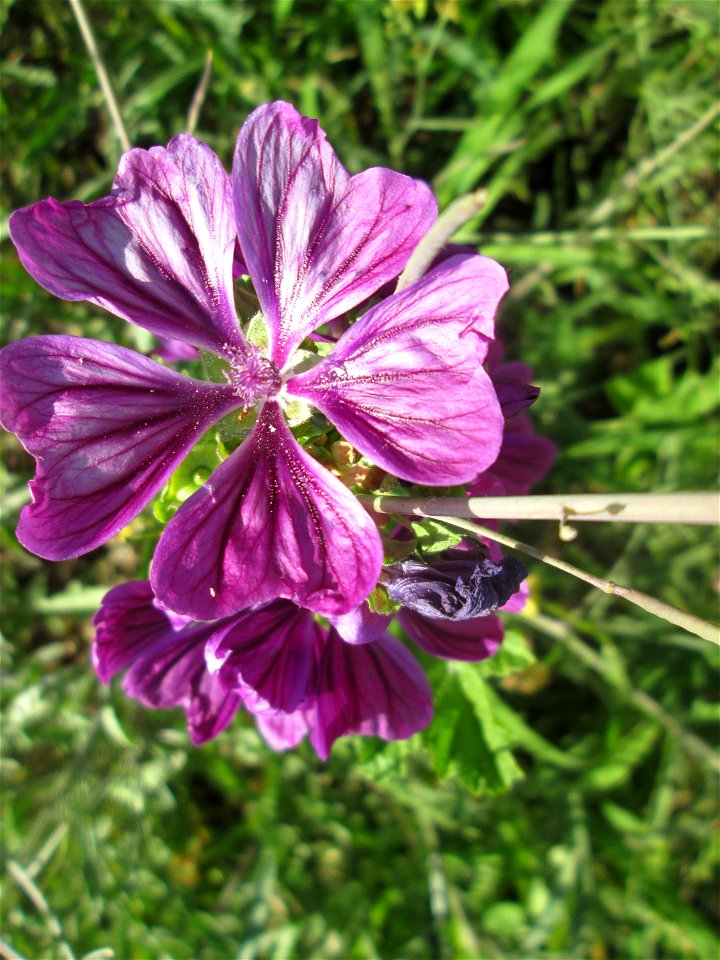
(373, 689)
(158, 252)
(523, 461)
(107, 426)
(270, 650)
(475, 639)
(166, 665)
(454, 589)
(317, 241)
(405, 385)
(270, 523)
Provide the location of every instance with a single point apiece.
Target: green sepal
(214, 367)
(297, 412)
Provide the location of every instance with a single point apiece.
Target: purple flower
(107, 426)
(295, 676)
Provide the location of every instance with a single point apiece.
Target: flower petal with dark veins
(269, 654)
(106, 425)
(269, 523)
(166, 664)
(405, 385)
(373, 689)
(316, 241)
(475, 639)
(157, 252)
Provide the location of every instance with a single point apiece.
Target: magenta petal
(523, 461)
(514, 394)
(270, 650)
(270, 522)
(475, 639)
(107, 427)
(374, 689)
(158, 252)
(166, 665)
(283, 731)
(405, 384)
(317, 241)
(176, 676)
(128, 623)
(361, 625)
(174, 351)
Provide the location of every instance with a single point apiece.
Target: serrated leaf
(464, 741)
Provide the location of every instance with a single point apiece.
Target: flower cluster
(258, 587)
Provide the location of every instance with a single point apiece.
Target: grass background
(579, 817)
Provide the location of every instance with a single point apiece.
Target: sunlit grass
(593, 128)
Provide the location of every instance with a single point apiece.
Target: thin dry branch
(695, 508)
(199, 95)
(460, 212)
(102, 74)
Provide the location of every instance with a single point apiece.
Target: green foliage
(561, 802)
(434, 537)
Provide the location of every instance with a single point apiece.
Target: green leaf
(624, 754)
(433, 537)
(189, 476)
(463, 739)
(514, 654)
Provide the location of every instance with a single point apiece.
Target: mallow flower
(294, 675)
(299, 678)
(107, 426)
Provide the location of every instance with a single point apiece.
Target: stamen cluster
(252, 376)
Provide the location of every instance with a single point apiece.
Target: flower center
(251, 375)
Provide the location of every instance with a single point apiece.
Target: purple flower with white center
(107, 426)
(294, 675)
